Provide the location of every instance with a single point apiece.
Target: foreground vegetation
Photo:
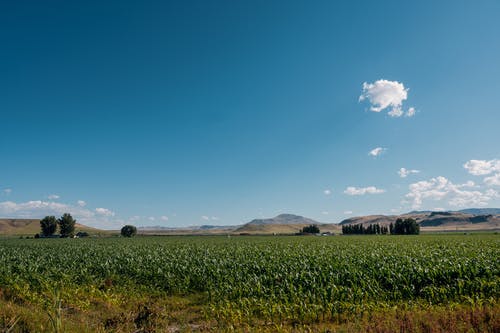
(446, 283)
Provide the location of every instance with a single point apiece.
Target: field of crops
(245, 282)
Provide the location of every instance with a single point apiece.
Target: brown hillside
(282, 228)
(435, 221)
(18, 227)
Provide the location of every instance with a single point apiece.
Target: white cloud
(104, 212)
(208, 218)
(493, 180)
(152, 218)
(395, 112)
(383, 94)
(377, 151)
(81, 203)
(164, 218)
(351, 190)
(53, 197)
(403, 172)
(38, 208)
(411, 112)
(327, 192)
(348, 212)
(7, 191)
(482, 167)
(440, 188)
(325, 213)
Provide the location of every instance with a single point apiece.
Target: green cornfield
(251, 280)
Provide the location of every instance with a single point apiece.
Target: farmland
(350, 283)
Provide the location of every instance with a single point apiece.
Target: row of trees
(310, 229)
(401, 227)
(359, 229)
(66, 225)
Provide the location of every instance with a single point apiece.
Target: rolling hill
(282, 224)
(284, 219)
(438, 221)
(29, 227)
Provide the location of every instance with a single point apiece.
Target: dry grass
(189, 314)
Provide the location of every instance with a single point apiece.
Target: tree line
(402, 227)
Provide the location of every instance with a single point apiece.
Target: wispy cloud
(81, 203)
(351, 190)
(411, 112)
(403, 172)
(7, 191)
(327, 192)
(104, 212)
(385, 94)
(493, 180)
(53, 196)
(377, 151)
(208, 218)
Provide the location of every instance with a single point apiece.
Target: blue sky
(218, 112)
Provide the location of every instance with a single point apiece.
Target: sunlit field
(426, 283)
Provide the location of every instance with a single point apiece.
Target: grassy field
(426, 283)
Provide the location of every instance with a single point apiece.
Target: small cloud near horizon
(351, 190)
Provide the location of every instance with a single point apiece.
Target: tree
(311, 229)
(406, 227)
(48, 225)
(66, 225)
(128, 231)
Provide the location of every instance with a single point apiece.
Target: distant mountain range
(465, 219)
(282, 224)
(481, 211)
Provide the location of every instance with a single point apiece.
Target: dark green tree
(412, 228)
(48, 225)
(128, 231)
(311, 229)
(406, 227)
(66, 225)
